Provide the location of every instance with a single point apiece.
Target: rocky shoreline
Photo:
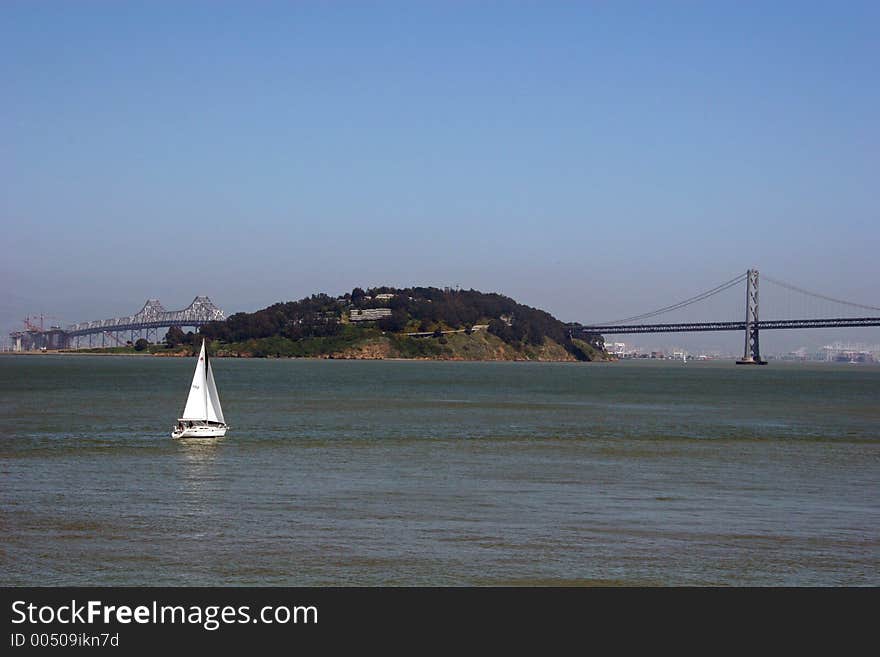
(475, 347)
(341, 356)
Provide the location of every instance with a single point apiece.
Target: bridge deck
(689, 327)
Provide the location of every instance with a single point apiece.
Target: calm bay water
(407, 473)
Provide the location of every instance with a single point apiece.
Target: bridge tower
(752, 351)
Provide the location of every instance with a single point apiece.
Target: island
(426, 323)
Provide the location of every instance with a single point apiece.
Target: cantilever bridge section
(147, 321)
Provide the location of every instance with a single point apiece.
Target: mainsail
(215, 413)
(197, 402)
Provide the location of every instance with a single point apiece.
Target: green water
(407, 473)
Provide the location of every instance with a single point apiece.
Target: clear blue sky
(591, 158)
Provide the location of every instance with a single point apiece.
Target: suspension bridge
(147, 321)
(829, 312)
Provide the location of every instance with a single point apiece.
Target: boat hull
(200, 431)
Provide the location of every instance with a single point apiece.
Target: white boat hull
(200, 431)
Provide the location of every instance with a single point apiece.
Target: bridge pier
(752, 351)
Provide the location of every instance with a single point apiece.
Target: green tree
(175, 336)
(395, 323)
(141, 344)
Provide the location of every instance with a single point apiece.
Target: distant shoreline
(71, 353)
(349, 358)
(417, 359)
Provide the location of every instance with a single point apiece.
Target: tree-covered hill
(322, 324)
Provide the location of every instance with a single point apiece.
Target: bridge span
(147, 322)
(751, 325)
(689, 327)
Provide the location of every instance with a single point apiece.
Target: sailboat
(202, 417)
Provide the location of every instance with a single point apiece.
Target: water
(369, 473)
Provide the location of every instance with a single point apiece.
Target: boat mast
(205, 382)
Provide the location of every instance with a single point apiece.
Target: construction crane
(30, 326)
(30, 322)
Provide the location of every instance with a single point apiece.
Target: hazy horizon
(593, 160)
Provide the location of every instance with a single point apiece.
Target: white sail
(215, 413)
(197, 402)
(202, 417)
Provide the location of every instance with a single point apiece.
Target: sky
(595, 159)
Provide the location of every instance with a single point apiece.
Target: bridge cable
(681, 304)
(795, 288)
